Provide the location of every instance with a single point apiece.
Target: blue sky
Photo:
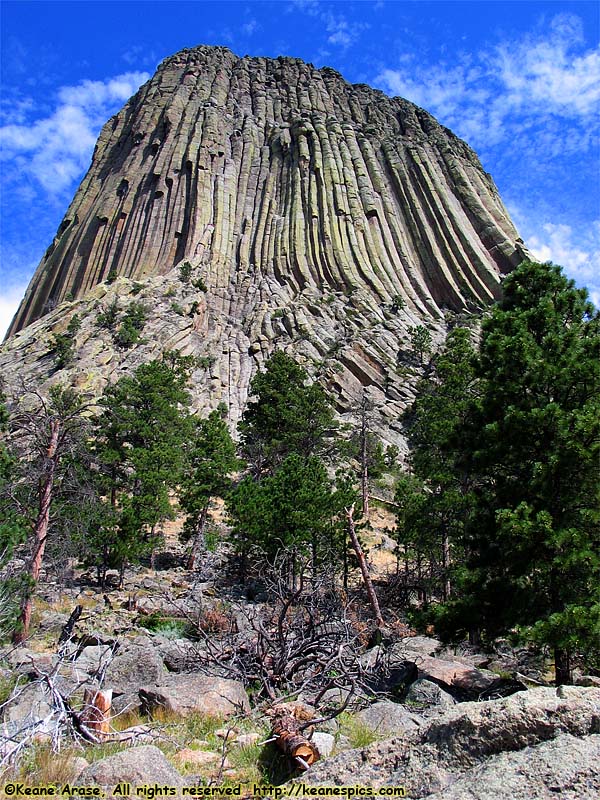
(519, 81)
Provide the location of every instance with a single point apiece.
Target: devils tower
(316, 216)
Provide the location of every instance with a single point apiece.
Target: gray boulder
(186, 694)
(564, 767)
(139, 766)
(424, 694)
(388, 718)
(136, 663)
(470, 739)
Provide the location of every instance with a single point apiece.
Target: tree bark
(95, 715)
(198, 544)
(40, 531)
(562, 667)
(364, 464)
(446, 564)
(364, 567)
(292, 742)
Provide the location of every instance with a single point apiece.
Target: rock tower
(316, 216)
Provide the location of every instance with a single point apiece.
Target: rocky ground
(442, 723)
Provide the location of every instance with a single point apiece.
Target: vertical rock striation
(258, 168)
(317, 217)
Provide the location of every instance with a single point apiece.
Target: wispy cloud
(578, 253)
(250, 27)
(543, 81)
(53, 150)
(340, 31)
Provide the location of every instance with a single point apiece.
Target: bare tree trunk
(95, 715)
(562, 667)
(40, 532)
(364, 460)
(363, 567)
(446, 564)
(198, 545)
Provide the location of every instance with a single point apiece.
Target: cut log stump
(95, 715)
(291, 741)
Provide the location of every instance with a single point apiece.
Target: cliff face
(305, 206)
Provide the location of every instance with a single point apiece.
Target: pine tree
(211, 459)
(288, 415)
(12, 527)
(139, 445)
(443, 402)
(533, 447)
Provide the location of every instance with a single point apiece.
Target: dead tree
(362, 561)
(44, 435)
(96, 712)
(291, 741)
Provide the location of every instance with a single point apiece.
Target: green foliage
(200, 285)
(108, 319)
(205, 362)
(139, 439)
(211, 458)
(177, 308)
(287, 415)
(132, 323)
(12, 528)
(398, 304)
(294, 509)
(532, 446)
(185, 272)
(420, 340)
(434, 503)
(112, 275)
(63, 344)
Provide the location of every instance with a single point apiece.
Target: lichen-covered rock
(473, 739)
(140, 766)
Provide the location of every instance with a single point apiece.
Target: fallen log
(291, 741)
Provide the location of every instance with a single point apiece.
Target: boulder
(30, 703)
(187, 694)
(425, 694)
(469, 740)
(324, 742)
(564, 767)
(136, 663)
(139, 766)
(468, 681)
(389, 718)
(179, 655)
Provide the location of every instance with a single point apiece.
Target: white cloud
(54, 150)
(579, 254)
(250, 27)
(544, 80)
(9, 302)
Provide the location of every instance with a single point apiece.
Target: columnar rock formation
(272, 167)
(307, 207)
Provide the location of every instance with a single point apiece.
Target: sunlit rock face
(320, 217)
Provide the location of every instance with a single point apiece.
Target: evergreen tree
(443, 402)
(295, 509)
(532, 445)
(288, 415)
(12, 528)
(211, 458)
(51, 433)
(139, 446)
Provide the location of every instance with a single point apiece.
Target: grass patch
(357, 732)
